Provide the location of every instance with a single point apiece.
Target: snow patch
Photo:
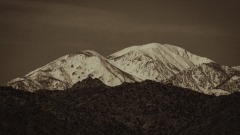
(219, 92)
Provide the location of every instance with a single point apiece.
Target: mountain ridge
(69, 69)
(158, 62)
(205, 78)
(167, 60)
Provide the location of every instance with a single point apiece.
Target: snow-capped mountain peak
(155, 61)
(69, 69)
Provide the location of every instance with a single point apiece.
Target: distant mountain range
(156, 62)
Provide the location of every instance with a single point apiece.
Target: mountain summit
(155, 61)
(69, 69)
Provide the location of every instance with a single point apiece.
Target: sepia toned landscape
(119, 67)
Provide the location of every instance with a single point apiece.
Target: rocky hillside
(206, 78)
(131, 108)
(231, 85)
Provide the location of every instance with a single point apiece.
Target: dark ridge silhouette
(89, 83)
(90, 107)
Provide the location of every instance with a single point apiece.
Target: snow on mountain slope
(155, 61)
(237, 68)
(219, 92)
(205, 78)
(69, 69)
(232, 85)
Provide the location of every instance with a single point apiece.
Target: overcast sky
(36, 32)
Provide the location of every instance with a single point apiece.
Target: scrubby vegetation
(90, 107)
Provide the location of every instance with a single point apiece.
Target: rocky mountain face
(207, 78)
(171, 64)
(139, 108)
(155, 61)
(161, 63)
(232, 84)
(69, 69)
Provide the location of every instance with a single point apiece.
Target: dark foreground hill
(90, 107)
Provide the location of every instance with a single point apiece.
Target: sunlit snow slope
(155, 61)
(69, 69)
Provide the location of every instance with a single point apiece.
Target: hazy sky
(36, 32)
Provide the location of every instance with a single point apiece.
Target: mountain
(206, 78)
(139, 108)
(158, 89)
(69, 69)
(155, 61)
(172, 64)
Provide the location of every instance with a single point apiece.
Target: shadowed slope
(131, 108)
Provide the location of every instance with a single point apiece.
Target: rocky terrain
(209, 78)
(91, 107)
